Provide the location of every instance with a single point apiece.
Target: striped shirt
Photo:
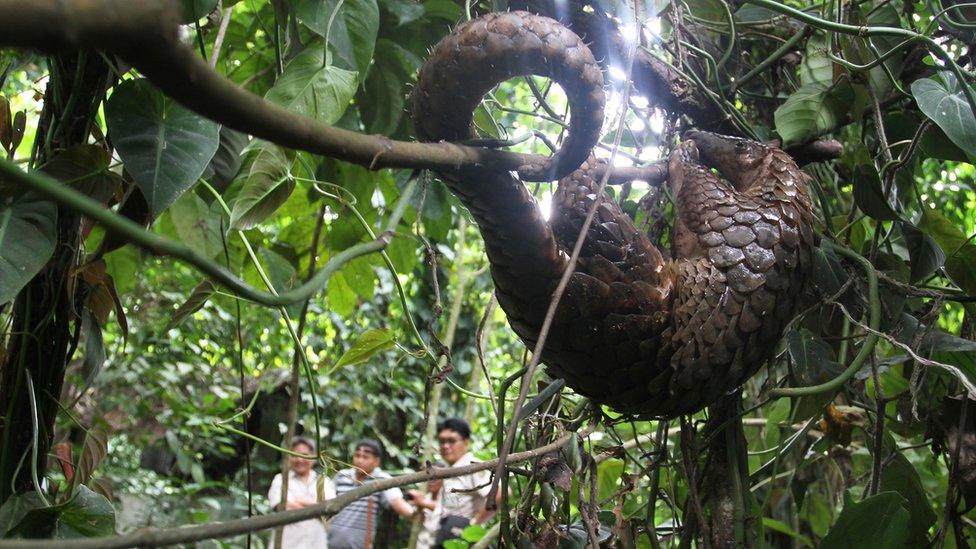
(347, 530)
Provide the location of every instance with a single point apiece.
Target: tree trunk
(45, 311)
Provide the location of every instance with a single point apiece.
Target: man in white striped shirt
(354, 527)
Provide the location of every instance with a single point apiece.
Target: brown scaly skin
(648, 337)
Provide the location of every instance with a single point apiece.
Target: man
(462, 499)
(354, 527)
(303, 491)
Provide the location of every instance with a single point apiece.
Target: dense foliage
(177, 394)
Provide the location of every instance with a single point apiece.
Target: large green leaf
(945, 103)
(812, 358)
(368, 344)
(869, 196)
(85, 515)
(812, 110)
(197, 224)
(900, 476)
(816, 67)
(283, 275)
(959, 249)
(267, 186)
(164, 145)
(227, 160)
(27, 236)
(382, 94)
(312, 88)
(353, 31)
(879, 521)
(925, 253)
(85, 168)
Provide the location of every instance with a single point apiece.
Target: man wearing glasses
(462, 499)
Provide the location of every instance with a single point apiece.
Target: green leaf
(354, 28)
(310, 87)
(945, 103)
(473, 533)
(197, 224)
(879, 521)
(885, 16)
(164, 145)
(283, 275)
(368, 344)
(195, 9)
(900, 476)
(608, 477)
(27, 236)
(94, 347)
(15, 508)
(926, 255)
(405, 11)
(85, 168)
(227, 160)
(342, 299)
(198, 298)
(828, 273)
(960, 251)
(267, 186)
(813, 110)
(361, 277)
(869, 196)
(383, 90)
(541, 398)
(812, 358)
(783, 528)
(816, 67)
(85, 515)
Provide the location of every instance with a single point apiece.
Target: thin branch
(153, 537)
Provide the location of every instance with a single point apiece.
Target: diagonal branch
(151, 537)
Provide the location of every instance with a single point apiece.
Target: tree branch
(154, 537)
(144, 33)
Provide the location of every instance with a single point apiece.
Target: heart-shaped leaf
(85, 515)
(354, 27)
(27, 236)
(197, 224)
(869, 196)
(960, 251)
(312, 88)
(878, 521)
(945, 103)
(925, 253)
(812, 110)
(164, 145)
(85, 168)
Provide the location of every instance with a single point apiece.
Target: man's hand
(419, 499)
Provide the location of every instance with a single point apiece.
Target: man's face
(300, 465)
(453, 445)
(365, 460)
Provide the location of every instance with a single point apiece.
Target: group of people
(448, 506)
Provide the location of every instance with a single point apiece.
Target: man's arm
(484, 515)
(402, 508)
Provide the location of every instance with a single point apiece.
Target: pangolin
(647, 336)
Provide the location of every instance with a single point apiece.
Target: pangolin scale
(647, 336)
